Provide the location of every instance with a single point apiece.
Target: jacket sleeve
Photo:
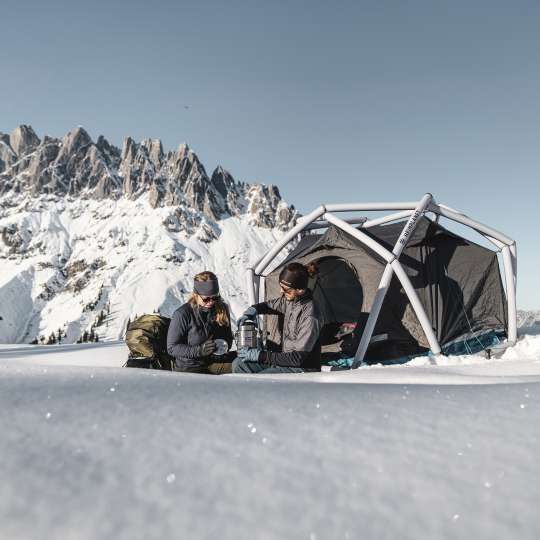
(177, 337)
(306, 339)
(270, 307)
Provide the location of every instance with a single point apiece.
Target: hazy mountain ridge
(87, 230)
(528, 318)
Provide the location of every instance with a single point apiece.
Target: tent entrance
(339, 296)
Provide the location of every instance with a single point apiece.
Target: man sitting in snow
(299, 326)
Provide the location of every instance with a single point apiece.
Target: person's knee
(239, 367)
(219, 368)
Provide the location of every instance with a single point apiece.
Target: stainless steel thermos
(247, 336)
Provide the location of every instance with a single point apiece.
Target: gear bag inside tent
(397, 286)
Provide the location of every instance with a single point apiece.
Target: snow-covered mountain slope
(92, 236)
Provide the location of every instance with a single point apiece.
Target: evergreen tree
(85, 336)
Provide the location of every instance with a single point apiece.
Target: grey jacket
(299, 326)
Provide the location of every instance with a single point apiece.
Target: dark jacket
(299, 326)
(190, 327)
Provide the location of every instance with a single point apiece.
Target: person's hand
(249, 355)
(250, 313)
(208, 347)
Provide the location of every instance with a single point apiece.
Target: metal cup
(221, 347)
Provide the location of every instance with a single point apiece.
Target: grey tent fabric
(457, 281)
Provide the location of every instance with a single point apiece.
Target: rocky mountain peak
(155, 150)
(222, 181)
(23, 140)
(7, 155)
(77, 166)
(183, 151)
(104, 145)
(75, 140)
(112, 153)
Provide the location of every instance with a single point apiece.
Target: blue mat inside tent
(470, 344)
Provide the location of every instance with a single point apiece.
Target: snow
(128, 260)
(91, 450)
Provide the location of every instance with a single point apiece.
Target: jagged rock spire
(23, 140)
(76, 166)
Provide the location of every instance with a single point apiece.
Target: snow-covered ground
(93, 451)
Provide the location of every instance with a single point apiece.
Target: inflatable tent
(400, 284)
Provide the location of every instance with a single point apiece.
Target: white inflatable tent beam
(323, 224)
(412, 210)
(363, 221)
(393, 265)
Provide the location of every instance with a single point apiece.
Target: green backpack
(146, 338)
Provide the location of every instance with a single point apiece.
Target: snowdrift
(91, 451)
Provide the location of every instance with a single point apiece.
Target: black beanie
(206, 288)
(295, 276)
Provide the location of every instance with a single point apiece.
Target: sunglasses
(208, 299)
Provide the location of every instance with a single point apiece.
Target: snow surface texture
(445, 451)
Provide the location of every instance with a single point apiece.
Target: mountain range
(92, 235)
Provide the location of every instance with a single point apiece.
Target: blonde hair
(222, 317)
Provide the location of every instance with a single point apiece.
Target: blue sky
(333, 102)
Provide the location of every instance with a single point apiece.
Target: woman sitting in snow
(196, 325)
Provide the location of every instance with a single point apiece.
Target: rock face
(23, 140)
(78, 167)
